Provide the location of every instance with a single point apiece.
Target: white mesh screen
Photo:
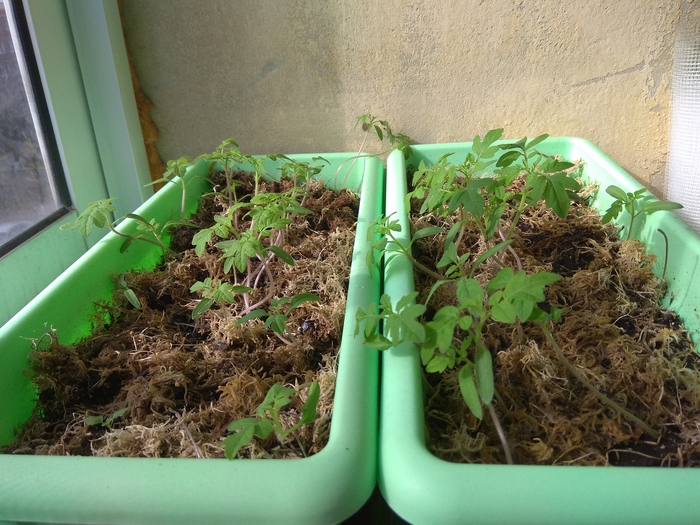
(683, 167)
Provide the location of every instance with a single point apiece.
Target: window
(32, 188)
(90, 146)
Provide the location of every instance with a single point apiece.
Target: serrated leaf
(470, 394)
(502, 310)
(201, 239)
(469, 293)
(439, 363)
(612, 212)
(233, 443)
(500, 280)
(557, 199)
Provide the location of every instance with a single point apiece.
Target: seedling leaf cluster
(489, 191)
(247, 238)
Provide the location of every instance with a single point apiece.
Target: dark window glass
(32, 190)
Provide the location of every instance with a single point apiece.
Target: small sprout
(128, 292)
(267, 418)
(220, 293)
(98, 214)
(635, 204)
(276, 319)
(105, 422)
(381, 128)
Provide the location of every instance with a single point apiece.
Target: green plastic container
(423, 489)
(322, 489)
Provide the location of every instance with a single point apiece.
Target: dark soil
(613, 331)
(183, 380)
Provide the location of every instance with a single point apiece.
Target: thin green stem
(629, 232)
(415, 263)
(501, 433)
(602, 397)
(663, 274)
(156, 242)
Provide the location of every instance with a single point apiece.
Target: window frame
(84, 72)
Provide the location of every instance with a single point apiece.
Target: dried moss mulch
(613, 331)
(184, 381)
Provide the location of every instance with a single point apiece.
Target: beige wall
(293, 76)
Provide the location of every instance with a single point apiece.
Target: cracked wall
(293, 76)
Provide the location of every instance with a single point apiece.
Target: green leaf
(427, 232)
(308, 410)
(93, 421)
(469, 293)
(201, 239)
(500, 280)
(300, 299)
(616, 192)
(470, 199)
(233, 443)
(534, 142)
(612, 213)
(131, 297)
(489, 253)
(277, 322)
(492, 136)
(281, 254)
(502, 310)
(654, 206)
(439, 363)
(255, 314)
(202, 307)
(96, 214)
(508, 158)
(449, 256)
(378, 342)
(239, 288)
(557, 199)
(483, 367)
(263, 428)
(470, 394)
(441, 328)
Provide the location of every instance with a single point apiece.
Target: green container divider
(423, 489)
(322, 489)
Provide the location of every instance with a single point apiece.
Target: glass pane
(28, 193)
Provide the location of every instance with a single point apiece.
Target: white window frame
(84, 69)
